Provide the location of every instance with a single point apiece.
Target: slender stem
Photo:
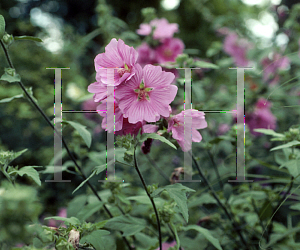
(151, 199)
(215, 167)
(63, 140)
(269, 230)
(257, 212)
(206, 182)
(173, 235)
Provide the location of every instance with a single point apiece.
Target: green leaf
(10, 75)
(82, 183)
(11, 98)
(29, 38)
(99, 169)
(76, 204)
(144, 199)
(89, 210)
(266, 210)
(295, 206)
(2, 26)
(155, 136)
(268, 132)
(73, 221)
(293, 166)
(146, 241)
(30, 92)
(31, 172)
(205, 198)
(178, 193)
(84, 133)
(99, 242)
(127, 224)
(287, 145)
(206, 233)
(205, 65)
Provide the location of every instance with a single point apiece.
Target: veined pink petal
(155, 77)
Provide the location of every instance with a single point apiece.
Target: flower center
(168, 52)
(124, 70)
(142, 92)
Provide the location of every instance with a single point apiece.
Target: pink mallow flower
(147, 94)
(166, 245)
(176, 125)
(169, 50)
(117, 55)
(162, 29)
(262, 117)
(237, 48)
(118, 124)
(271, 67)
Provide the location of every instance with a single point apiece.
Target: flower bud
(8, 39)
(74, 237)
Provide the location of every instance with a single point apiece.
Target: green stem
(173, 235)
(151, 199)
(270, 227)
(62, 138)
(215, 168)
(236, 227)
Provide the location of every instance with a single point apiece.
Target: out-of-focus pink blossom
(147, 94)
(89, 105)
(147, 55)
(169, 50)
(261, 117)
(117, 55)
(237, 48)
(62, 212)
(162, 29)
(166, 245)
(176, 125)
(223, 128)
(272, 66)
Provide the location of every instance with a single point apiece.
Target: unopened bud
(74, 237)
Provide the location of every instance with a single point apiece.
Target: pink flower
(62, 212)
(166, 245)
(130, 128)
(117, 55)
(162, 29)
(147, 55)
(237, 48)
(147, 94)
(271, 67)
(169, 50)
(176, 125)
(223, 128)
(118, 124)
(99, 89)
(89, 105)
(262, 117)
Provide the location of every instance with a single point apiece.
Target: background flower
(162, 29)
(176, 124)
